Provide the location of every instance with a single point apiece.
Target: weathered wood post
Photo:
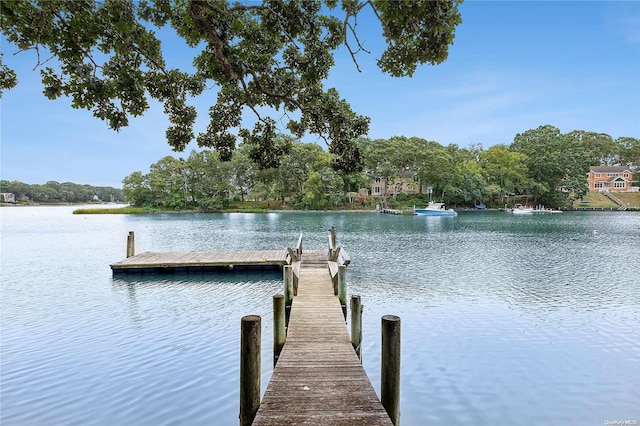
(295, 264)
(390, 370)
(288, 290)
(279, 329)
(296, 277)
(131, 246)
(332, 240)
(299, 247)
(342, 288)
(250, 336)
(356, 325)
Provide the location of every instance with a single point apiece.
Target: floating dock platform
(202, 262)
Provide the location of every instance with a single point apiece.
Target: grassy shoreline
(597, 200)
(117, 210)
(144, 210)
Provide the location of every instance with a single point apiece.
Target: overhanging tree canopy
(270, 58)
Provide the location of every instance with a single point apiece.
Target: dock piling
(356, 325)
(287, 272)
(390, 367)
(333, 237)
(131, 247)
(279, 328)
(250, 336)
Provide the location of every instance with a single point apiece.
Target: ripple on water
(504, 319)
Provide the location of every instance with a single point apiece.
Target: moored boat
(435, 209)
(520, 209)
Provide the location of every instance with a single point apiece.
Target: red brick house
(611, 178)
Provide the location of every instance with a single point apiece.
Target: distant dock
(398, 212)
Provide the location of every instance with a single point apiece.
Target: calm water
(505, 319)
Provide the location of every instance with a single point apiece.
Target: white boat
(520, 209)
(435, 209)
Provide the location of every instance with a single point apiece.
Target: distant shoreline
(86, 203)
(124, 209)
(407, 212)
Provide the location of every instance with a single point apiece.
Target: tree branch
(86, 54)
(346, 24)
(249, 102)
(285, 97)
(196, 12)
(241, 8)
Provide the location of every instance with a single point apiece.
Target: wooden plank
(319, 379)
(344, 258)
(333, 268)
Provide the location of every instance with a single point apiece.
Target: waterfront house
(611, 179)
(8, 197)
(407, 183)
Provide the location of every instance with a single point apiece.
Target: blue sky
(514, 66)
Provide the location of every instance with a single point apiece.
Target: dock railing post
(332, 241)
(131, 246)
(390, 367)
(288, 290)
(342, 288)
(250, 336)
(356, 325)
(279, 329)
(299, 247)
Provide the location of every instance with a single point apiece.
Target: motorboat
(435, 209)
(520, 209)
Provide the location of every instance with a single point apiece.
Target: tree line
(55, 192)
(305, 179)
(547, 165)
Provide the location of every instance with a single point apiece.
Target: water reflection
(221, 292)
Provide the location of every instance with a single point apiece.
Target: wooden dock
(398, 212)
(202, 262)
(319, 379)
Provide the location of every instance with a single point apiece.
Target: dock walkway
(319, 379)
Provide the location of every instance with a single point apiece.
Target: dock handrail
(337, 255)
(295, 255)
(343, 257)
(293, 258)
(299, 247)
(338, 258)
(332, 241)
